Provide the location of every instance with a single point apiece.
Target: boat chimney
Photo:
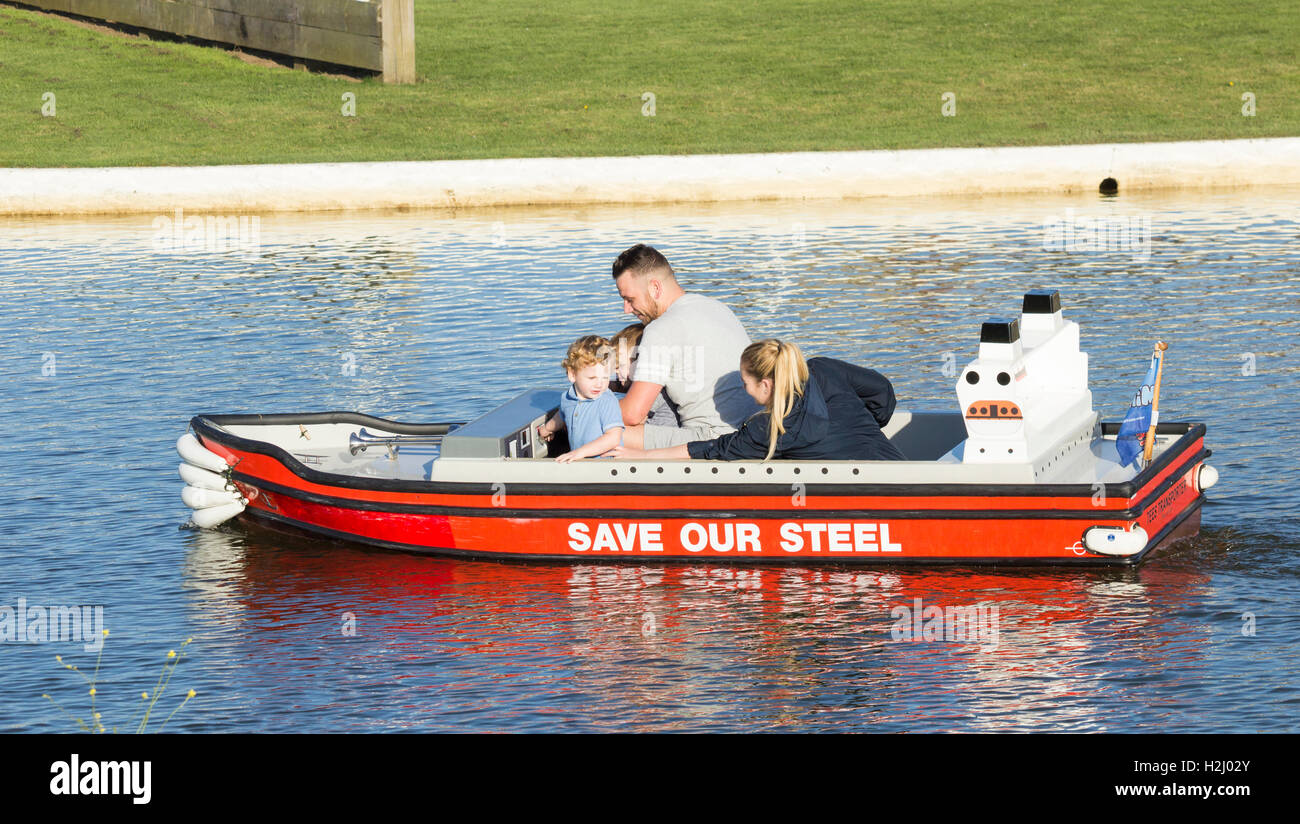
(1040, 316)
(1000, 340)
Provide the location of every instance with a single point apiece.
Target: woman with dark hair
(820, 409)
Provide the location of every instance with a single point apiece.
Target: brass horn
(360, 441)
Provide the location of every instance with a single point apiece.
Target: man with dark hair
(691, 348)
(642, 260)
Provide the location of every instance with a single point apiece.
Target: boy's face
(625, 353)
(590, 381)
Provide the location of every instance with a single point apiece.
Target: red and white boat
(1025, 473)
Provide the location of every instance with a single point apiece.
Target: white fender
(1114, 541)
(193, 452)
(204, 479)
(198, 498)
(1206, 477)
(213, 515)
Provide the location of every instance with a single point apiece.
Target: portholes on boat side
(742, 470)
(715, 470)
(796, 470)
(769, 470)
(1109, 186)
(659, 469)
(1004, 378)
(825, 470)
(686, 469)
(631, 469)
(972, 377)
(855, 470)
(613, 472)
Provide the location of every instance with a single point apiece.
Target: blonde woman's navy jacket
(838, 418)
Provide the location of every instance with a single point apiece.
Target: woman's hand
(666, 453)
(626, 452)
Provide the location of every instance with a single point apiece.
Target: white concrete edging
(648, 179)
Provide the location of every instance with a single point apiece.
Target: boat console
(509, 431)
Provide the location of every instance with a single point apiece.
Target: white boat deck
(325, 448)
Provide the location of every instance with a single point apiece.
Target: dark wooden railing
(378, 35)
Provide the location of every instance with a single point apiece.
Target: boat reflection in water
(452, 644)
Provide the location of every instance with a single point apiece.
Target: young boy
(625, 344)
(588, 410)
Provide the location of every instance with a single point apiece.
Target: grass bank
(508, 78)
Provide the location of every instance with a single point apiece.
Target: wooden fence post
(397, 20)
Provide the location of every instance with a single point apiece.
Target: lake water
(111, 341)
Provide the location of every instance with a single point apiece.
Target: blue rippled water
(110, 345)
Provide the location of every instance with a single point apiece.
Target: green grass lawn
(505, 78)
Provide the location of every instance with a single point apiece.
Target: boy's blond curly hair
(587, 351)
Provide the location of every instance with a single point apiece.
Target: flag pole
(1161, 346)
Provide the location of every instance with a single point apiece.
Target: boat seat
(925, 435)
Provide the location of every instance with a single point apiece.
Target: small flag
(1133, 431)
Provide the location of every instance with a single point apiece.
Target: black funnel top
(1000, 331)
(1041, 302)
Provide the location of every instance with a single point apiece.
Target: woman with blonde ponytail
(820, 409)
(774, 373)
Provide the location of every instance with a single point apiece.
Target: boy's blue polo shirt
(587, 420)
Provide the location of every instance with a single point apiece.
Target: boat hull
(735, 523)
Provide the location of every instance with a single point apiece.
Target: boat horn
(359, 441)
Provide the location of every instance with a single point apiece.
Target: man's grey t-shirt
(693, 351)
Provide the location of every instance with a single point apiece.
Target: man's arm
(638, 402)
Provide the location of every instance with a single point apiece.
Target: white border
(648, 179)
